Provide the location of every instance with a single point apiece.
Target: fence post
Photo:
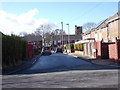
(30, 50)
(116, 45)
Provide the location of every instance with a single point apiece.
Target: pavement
(106, 62)
(24, 65)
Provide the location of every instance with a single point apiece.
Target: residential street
(60, 44)
(63, 71)
(61, 62)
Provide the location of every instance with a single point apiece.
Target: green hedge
(37, 50)
(79, 46)
(67, 46)
(14, 50)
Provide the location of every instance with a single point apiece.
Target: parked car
(59, 49)
(46, 50)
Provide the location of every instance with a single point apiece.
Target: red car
(46, 51)
(59, 49)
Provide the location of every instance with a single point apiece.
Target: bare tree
(47, 38)
(62, 32)
(89, 25)
(58, 32)
(38, 32)
(44, 30)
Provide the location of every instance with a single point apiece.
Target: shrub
(67, 46)
(78, 46)
(37, 51)
(13, 50)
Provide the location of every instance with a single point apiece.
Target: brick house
(113, 27)
(107, 30)
(36, 40)
(106, 38)
(89, 35)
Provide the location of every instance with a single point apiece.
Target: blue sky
(74, 13)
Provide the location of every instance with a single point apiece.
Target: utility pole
(43, 43)
(62, 32)
(68, 38)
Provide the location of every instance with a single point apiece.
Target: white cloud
(27, 18)
(25, 22)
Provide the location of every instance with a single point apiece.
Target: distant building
(57, 39)
(36, 40)
(78, 30)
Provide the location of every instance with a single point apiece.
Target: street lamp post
(68, 38)
(43, 39)
(62, 32)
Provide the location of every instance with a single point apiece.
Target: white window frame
(55, 43)
(114, 23)
(111, 25)
(59, 41)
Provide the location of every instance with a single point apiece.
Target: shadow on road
(64, 69)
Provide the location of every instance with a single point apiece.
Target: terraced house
(106, 38)
(107, 30)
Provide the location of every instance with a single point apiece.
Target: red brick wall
(108, 50)
(114, 51)
(119, 49)
(97, 46)
(113, 54)
(118, 43)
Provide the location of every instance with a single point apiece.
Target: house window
(75, 40)
(114, 23)
(110, 25)
(59, 41)
(96, 37)
(100, 30)
(100, 36)
(55, 43)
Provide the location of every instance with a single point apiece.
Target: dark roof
(113, 18)
(65, 37)
(101, 24)
(31, 38)
(104, 22)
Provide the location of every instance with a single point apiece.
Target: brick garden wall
(113, 52)
(108, 50)
(101, 50)
(97, 46)
(119, 49)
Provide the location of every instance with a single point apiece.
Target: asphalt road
(63, 71)
(60, 62)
